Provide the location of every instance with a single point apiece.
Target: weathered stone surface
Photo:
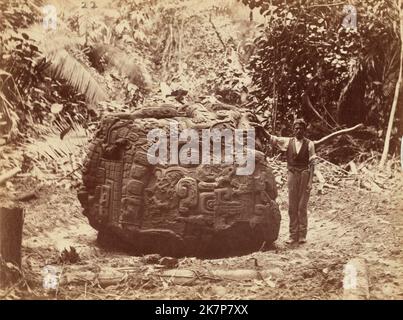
(196, 210)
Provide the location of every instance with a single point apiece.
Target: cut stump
(11, 222)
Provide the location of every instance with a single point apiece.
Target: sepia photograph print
(215, 150)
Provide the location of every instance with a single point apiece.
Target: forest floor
(344, 223)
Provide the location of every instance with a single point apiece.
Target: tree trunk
(396, 96)
(11, 222)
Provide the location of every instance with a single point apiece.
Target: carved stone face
(195, 210)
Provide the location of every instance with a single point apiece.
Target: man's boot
(291, 241)
(302, 240)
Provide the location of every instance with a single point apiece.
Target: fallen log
(185, 276)
(112, 276)
(26, 196)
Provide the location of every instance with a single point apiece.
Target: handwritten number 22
(92, 5)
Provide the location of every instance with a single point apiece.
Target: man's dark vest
(298, 161)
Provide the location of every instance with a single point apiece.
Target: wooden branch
(345, 90)
(8, 175)
(162, 111)
(309, 103)
(326, 5)
(217, 33)
(337, 133)
(180, 47)
(333, 164)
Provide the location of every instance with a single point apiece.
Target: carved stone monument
(204, 210)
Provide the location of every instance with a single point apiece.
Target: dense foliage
(34, 97)
(104, 59)
(310, 61)
(281, 59)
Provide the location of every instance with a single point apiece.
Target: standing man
(300, 153)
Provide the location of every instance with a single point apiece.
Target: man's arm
(312, 157)
(280, 142)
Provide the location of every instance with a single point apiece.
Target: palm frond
(54, 46)
(76, 74)
(7, 109)
(50, 151)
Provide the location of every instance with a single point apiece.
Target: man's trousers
(298, 196)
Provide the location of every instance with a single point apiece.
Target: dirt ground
(344, 223)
